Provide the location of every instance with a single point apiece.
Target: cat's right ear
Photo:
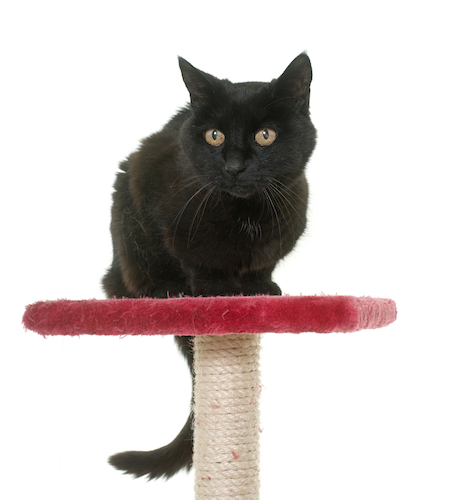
(295, 82)
(199, 84)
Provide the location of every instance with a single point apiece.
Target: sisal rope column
(226, 417)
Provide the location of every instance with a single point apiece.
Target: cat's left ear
(199, 84)
(295, 81)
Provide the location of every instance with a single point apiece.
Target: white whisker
(275, 213)
(178, 217)
(203, 203)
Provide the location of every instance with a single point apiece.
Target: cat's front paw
(215, 288)
(260, 288)
(169, 289)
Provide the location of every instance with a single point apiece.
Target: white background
(362, 415)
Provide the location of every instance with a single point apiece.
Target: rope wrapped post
(226, 417)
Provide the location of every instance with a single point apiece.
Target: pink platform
(209, 315)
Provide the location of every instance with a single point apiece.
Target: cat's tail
(166, 461)
(163, 462)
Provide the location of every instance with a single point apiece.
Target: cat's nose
(234, 166)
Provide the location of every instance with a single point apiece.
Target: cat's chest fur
(231, 234)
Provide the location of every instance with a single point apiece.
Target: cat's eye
(265, 136)
(214, 137)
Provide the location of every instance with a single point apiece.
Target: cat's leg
(113, 284)
(143, 274)
(259, 283)
(211, 283)
(167, 289)
(166, 279)
(215, 287)
(207, 282)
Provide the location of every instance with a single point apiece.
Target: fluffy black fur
(194, 218)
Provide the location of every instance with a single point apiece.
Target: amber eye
(214, 137)
(265, 136)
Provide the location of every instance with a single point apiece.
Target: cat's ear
(199, 84)
(295, 81)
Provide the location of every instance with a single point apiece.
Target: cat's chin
(243, 196)
(243, 192)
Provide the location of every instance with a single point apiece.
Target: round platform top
(209, 315)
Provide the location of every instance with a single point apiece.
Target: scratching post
(226, 417)
(226, 361)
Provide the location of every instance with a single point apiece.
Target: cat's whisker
(285, 193)
(203, 203)
(275, 213)
(178, 217)
(281, 205)
(185, 184)
(288, 189)
(180, 213)
(279, 191)
(280, 199)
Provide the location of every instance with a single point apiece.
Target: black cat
(210, 204)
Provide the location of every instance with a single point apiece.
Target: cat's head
(241, 137)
